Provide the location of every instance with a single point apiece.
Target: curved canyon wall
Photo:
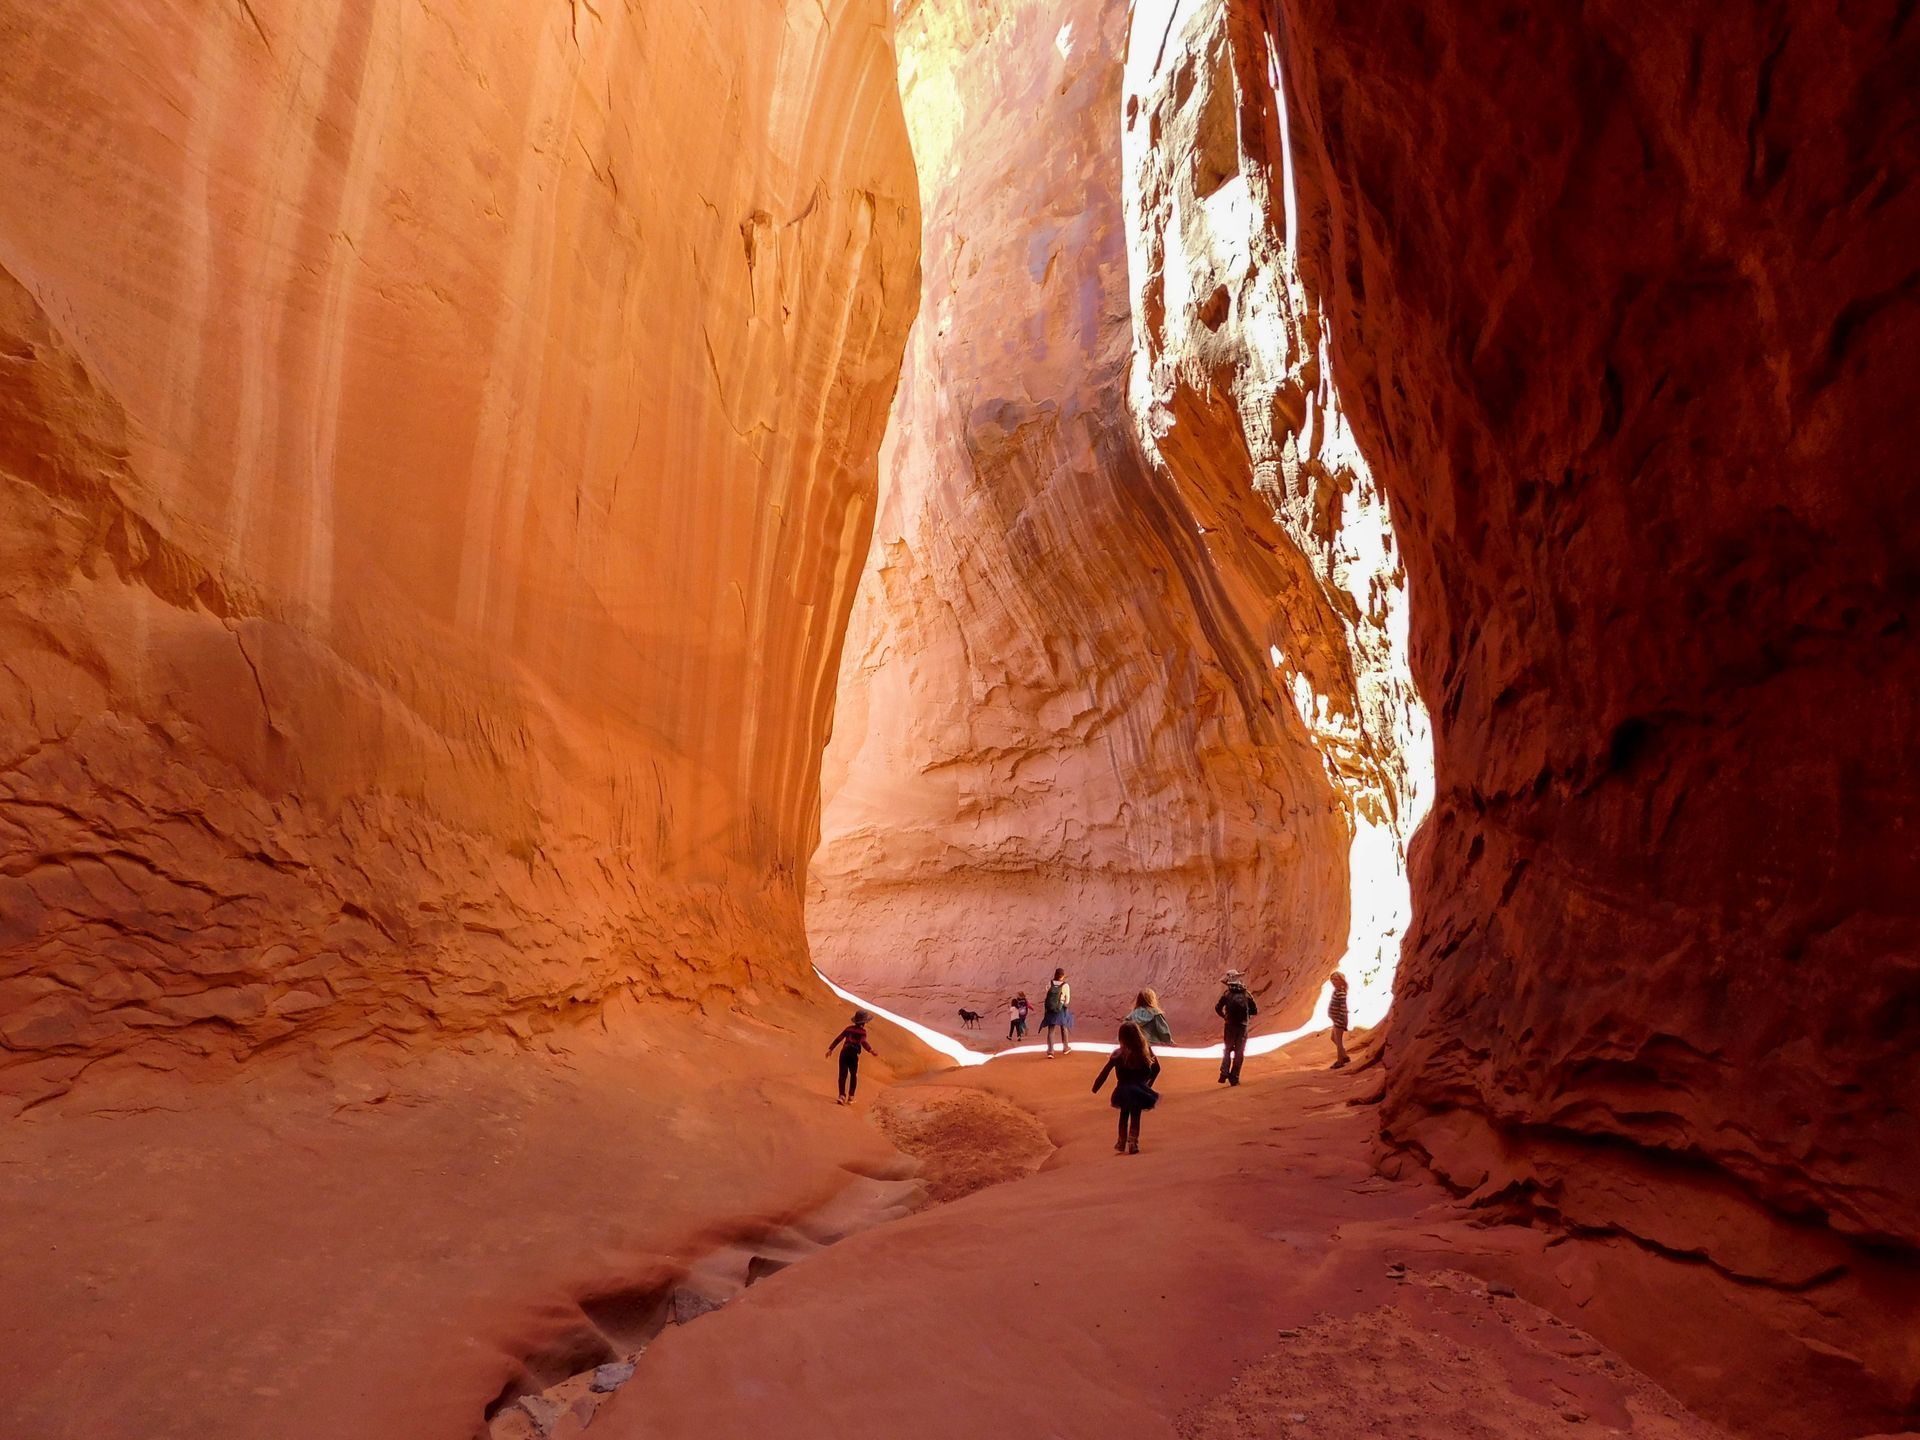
(1624, 308)
(436, 453)
(1237, 405)
(1061, 736)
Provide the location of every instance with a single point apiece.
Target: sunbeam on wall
(1236, 403)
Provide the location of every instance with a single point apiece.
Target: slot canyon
(549, 549)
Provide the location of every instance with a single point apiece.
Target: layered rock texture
(436, 457)
(1623, 307)
(1111, 699)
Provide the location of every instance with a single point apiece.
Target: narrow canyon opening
(528, 527)
(1126, 688)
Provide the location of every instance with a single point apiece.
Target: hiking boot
(1133, 1147)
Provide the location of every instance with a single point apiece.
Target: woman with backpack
(1058, 1013)
(1147, 1015)
(1134, 1069)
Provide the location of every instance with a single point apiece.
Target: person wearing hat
(851, 1041)
(1236, 1008)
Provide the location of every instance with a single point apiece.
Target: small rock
(1500, 1287)
(1298, 1417)
(542, 1411)
(689, 1306)
(608, 1378)
(1573, 1417)
(1289, 1334)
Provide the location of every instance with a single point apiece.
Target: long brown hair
(1133, 1040)
(1147, 1000)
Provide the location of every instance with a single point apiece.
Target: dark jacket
(1220, 1006)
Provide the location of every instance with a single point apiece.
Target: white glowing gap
(958, 1052)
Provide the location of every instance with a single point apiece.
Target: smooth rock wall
(436, 456)
(1061, 737)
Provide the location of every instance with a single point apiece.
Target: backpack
(1054, 1007)
(1237, 1006)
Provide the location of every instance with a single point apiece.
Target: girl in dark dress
(852, 1041)
(1134, 1070)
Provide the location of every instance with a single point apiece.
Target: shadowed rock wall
(1631, 318)
(1623, 306)
(436, 453)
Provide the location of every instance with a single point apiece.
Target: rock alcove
(495, 577)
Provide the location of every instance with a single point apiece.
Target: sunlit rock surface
(1622, 306)
(1062, 737)
(436, 456)
(1239, 409)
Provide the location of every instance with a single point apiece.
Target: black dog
(970, 1019)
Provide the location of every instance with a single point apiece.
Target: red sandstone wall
(436, 450)
(1623, 299)
(1059, 737)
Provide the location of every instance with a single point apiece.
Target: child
(1134, 1070)
(851, 1041)
(1017, 1010)
(1147, 1015)
(1337, 1017)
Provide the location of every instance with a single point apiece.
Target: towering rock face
(1624, 309)
(1061, 735)
(436, 454)
(1238, 406)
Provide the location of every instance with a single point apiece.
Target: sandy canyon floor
(367, 1251)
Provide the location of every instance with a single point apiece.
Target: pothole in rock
(964, 1139)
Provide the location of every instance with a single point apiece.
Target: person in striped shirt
(1337, 1017)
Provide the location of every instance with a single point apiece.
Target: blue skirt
(1062, 1018)
(1134, 1095)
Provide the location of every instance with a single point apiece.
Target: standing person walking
(1134, 1069)
(1337, 1018)
(1236, 1008)
(851, 1041)
(1018, 1009)
(1057, 1013)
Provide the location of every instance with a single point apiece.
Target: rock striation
(1061, 735)
(436, 453)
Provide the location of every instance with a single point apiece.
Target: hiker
(1057, 1013)
(1147, 1015)
(1134, 1069)
(1236, 1007)
(851, 1041)
(1018, 1009)
(1337, 1017)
